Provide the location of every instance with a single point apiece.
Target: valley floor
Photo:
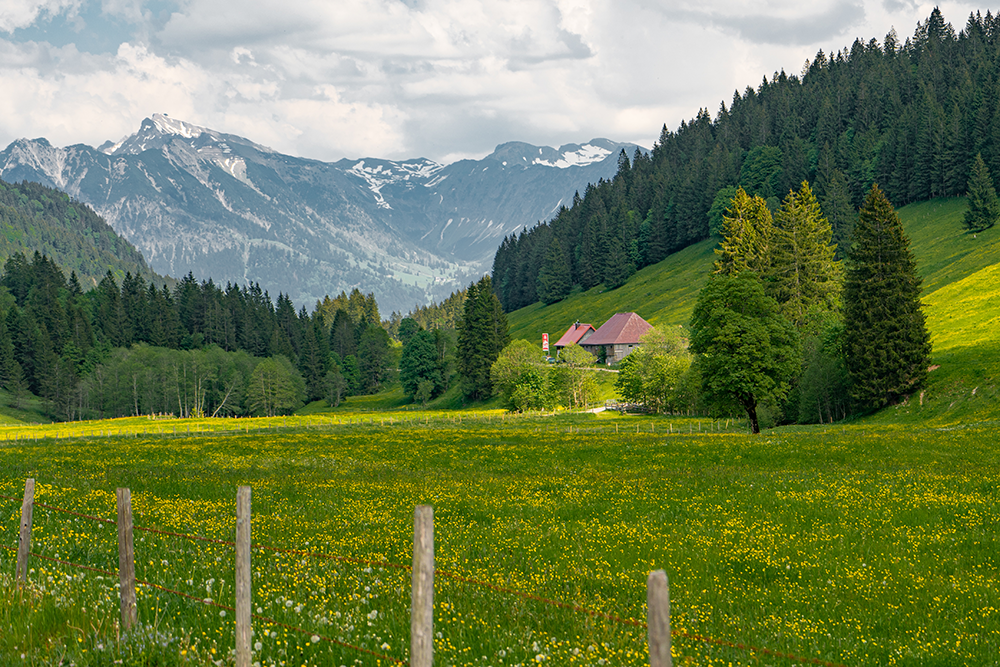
(861, 544)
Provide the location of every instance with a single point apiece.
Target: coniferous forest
(910, 116)
(138, 348)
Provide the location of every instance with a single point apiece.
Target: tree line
(110, 351)
(911, 117)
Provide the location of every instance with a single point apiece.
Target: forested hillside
(37, 218)
(910, 117)
(132, 347)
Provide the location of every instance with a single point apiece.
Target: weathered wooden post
(24, 539)
(243, 655)
(658, 619)
(126, 560)
(422, 596)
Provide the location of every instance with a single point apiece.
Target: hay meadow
(862, 544)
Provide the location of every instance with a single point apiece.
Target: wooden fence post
(126, 560)
(24, 540)
(243, 655)
(658, 619)
(422, 596)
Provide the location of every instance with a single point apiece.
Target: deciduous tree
(748, 350)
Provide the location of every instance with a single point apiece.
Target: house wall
(613, 353)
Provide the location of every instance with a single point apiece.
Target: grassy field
(869, 543)
(860, 545)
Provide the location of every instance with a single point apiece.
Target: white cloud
(22, 13)
(436, 78)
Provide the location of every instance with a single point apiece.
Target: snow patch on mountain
(586, 154)
(168, 125)
(389, 173)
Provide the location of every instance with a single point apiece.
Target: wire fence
(446, 574)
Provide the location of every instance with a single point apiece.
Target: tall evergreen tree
(805, 278)
(481, 337)
(747, 231)
(886, 343)
(836, 204)
(553, 278)
(984, 207)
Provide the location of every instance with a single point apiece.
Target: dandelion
(373, 614)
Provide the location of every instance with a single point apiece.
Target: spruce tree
(886, 343)
(747, 231)
(481, 336)
(839, 211)
(805, 278)
(618, 268)
(553, 278)
(984, 207)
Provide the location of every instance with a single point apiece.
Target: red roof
(621, 329)
(574, 334)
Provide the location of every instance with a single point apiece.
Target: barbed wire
(212, 603)
(444, 573)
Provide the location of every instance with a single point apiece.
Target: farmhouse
(617, 337)
(575, 335)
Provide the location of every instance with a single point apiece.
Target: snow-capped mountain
(217, 205)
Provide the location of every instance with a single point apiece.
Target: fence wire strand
(360, 561)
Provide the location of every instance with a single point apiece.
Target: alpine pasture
(872, 542)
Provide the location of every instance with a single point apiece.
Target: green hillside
(663, 294)
(961, 278)
(36, 218)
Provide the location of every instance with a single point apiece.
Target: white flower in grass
(314, 639)
(288, 604)
(257, 646)
(222, 614)
(373, 614)
(385, 646)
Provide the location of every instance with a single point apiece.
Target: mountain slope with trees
(909, 116)
(34, 217)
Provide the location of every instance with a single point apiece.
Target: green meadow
(855, 545)
(873, 542)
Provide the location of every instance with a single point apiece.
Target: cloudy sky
(443, 79)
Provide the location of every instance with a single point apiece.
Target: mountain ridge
(198, 200)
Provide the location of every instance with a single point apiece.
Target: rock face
(220, 206)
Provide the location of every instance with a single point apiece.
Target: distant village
(612, 342)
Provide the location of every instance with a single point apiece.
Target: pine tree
(886, 343)
(984, 207)
(805, 278)
(553, 279)
(747, 230)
